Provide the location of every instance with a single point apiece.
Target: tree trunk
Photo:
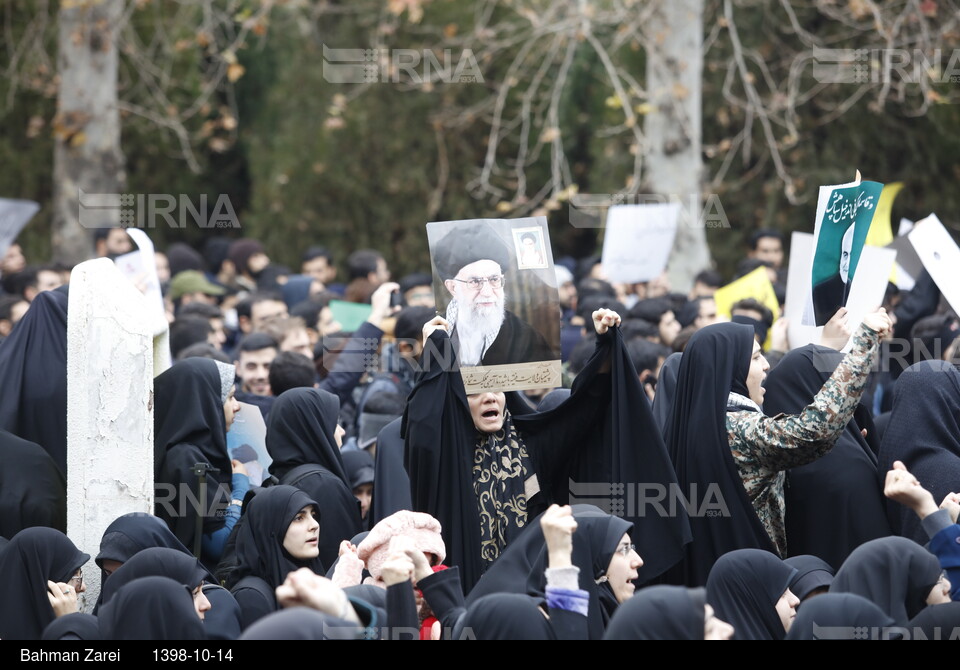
(673, 126)
(87, 152)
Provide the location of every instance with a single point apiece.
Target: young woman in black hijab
(667, 613)
(896, 574)
(602, 550)
(730, 457)
(924, 433)
(304, 438)
(279, 535)
(162, 562)
(125, 536)
(359, 466)
(484, 471)
(839, 616)
(834, 504)
(39, 567)
(132, 533)
(749, 589)
(151, 608)
(193, 404)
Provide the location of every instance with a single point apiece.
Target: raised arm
(790, 440)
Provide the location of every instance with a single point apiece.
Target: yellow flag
(754, 285)
(881, 229)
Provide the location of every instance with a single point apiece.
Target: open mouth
(491, 414)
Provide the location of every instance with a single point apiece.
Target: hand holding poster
(247, 442)
(637, 241)
(494, 280)
(844, 215)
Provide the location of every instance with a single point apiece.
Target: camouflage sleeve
(790, 440)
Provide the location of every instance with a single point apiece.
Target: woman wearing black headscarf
(836, 503)
(33, 376)
(749, 589)
(839, 616)
(34, 558)
(730, 457)
(162, 562)
(607, 563)
(151, 608)
(667, 613)
(279, 535)
(303, 438)
(896, 574)
(193, 403)
(924, 433)
(484, 471)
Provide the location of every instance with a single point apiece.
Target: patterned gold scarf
(501, 467)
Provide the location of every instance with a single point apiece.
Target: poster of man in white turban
(503, 308)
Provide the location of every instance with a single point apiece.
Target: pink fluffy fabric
(416, 527)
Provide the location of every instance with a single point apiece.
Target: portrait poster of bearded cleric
(504, 313)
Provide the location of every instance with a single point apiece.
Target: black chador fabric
(157, 562)
(33, 376)
(190, 428)
(391, 490)
(33, 557)
(302, 623)
(504, 616)
(715, 362)
(521, 568)
(151, 608)
(76, 626)
(129, 534)
(812, 573)
(301, 432)
(33, 491)
(936, 622)
(894, 573)
(838, 616)
(836, 503)
(604, 433)
(660, 613)
(744, 587)
(666, 389)
(924, 433)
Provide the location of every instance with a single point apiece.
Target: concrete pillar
(111, 357)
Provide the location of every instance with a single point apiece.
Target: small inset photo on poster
(528, 244)
(500, 299)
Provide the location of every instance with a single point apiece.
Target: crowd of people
(802, 492)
